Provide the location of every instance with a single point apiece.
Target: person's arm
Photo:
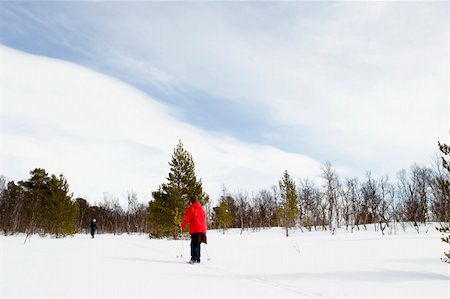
(187, 218)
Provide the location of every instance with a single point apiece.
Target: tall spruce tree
(288, 209)
(166, 209)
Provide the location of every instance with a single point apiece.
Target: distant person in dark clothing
(93, 227)
(195, 216)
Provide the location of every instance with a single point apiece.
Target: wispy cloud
(362, 84)
(109, 137)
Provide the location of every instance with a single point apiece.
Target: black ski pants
(195, 246)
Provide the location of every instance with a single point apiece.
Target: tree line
(415, 197)
(43, 204)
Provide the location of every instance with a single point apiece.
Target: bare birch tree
(332, 189)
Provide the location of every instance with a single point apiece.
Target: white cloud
(368, 80)
(362, 84)
(106, 136)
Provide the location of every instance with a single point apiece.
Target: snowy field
(262, 264)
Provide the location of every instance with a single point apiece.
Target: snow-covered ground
(262, 264)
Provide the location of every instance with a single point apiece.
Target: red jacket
(195, 216)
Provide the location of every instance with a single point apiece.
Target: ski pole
(207, 255)
(182, 242)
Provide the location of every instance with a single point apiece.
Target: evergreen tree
(48, 205)
(36, 191)
(12, 203)
(166, 209)
(222, 214)
(59, 210)
(445, 185)
(288, 209)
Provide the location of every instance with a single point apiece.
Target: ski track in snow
(265, 281)
(231, 274)
(234, 275)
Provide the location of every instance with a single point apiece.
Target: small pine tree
(288, 208)
(223, 215)
(171, 199)
(445, 228)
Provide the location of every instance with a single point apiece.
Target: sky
(103, 91)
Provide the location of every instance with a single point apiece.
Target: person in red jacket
(195, 216)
